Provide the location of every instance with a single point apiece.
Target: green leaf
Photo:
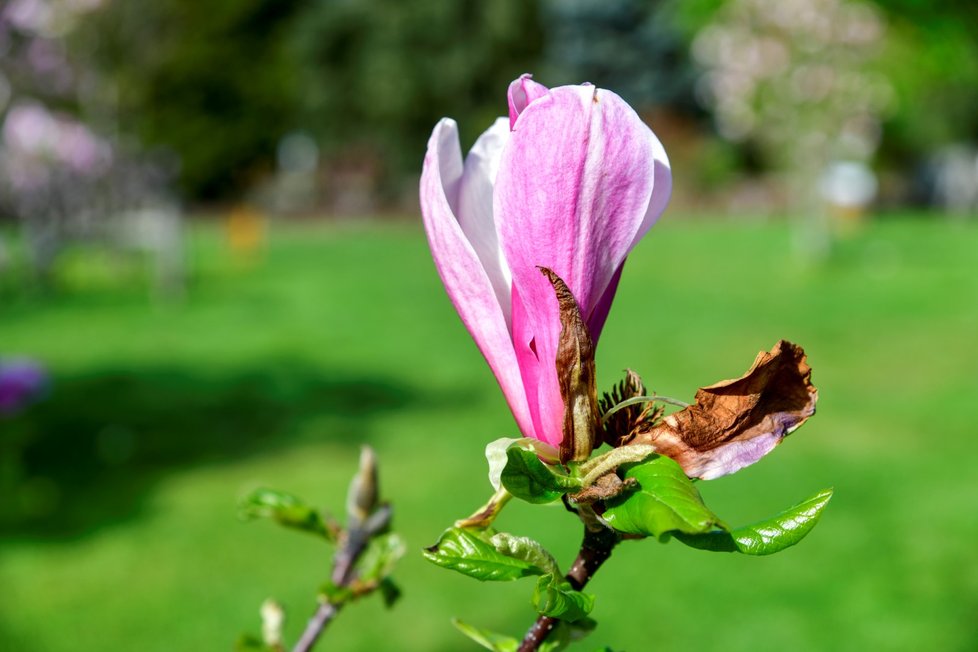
(465, 551)
(333, 594)
(378, 560)
(487, 639)
(667, 501)
(389, 591)
(565, 633)
(496, 457)
(285, 509)
(526, 477)
(249, 643)
(526, 549)
(766, 537)
(554, 596)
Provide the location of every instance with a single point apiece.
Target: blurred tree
(376, 74)
(221, 82)
(929, 57)
(205, 79)
(631, 46)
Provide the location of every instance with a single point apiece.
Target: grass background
(122, 534)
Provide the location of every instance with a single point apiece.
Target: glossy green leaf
(766, 537)
(554, 596)
(526, 477)
(526, 549)
(487, 639)
(465, 551)
(285, 509)
(666, 501)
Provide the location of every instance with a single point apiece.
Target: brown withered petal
(575, 373)
(734, 423)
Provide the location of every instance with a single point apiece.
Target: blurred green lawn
(124, 535)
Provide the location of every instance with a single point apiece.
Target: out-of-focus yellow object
(246, 233)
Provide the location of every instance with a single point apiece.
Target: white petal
(475, 209)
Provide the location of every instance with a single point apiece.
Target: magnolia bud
(361, 499)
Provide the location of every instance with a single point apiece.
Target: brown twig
(344, 562)
(366, 519)
(595, 549)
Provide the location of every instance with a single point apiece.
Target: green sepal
(666, 502)
(765, 537)
(471, 553)
(287, 510)
(554, 596)
(488, 639)
(528, 478)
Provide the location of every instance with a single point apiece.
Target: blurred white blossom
(795, 77)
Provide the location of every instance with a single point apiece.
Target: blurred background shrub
(215, 95)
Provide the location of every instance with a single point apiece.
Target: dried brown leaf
(575, 373)
(734, 423)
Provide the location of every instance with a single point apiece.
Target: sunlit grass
(273, 373)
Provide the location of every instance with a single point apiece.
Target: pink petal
(596, 320)
(521, 92)
(546, 407)
(461, 270)
(574, 193)
(475, 208)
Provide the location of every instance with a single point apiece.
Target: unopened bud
(272, 620)
(361, 500)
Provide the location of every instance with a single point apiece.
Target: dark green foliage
(207, 80)
(376, 75)
(219, 83)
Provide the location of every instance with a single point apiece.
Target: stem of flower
(595, 549)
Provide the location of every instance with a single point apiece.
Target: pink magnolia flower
(570, 181)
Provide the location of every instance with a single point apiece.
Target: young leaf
(766, 537)
(667, 501)
(249, 643)
(526, 477)
(336, 595)
(465, 551)
(526, 549)
(487, 639)
(285, 509)
(554, 596)
(496, 457)
(565, 633)
(377, 561)
(389, 591)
